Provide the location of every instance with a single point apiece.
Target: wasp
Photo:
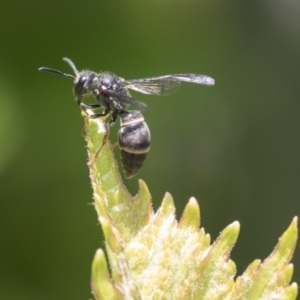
(112, 94)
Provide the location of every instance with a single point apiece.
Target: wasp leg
(115, 145)
(96, 116)
(84, 107)
(89, 106)
(114, 117)
(110, 124)
(104, 141)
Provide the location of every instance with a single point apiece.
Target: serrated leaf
(153, 256)
(270, 279)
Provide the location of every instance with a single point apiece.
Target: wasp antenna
(71, 64)
(45, 69)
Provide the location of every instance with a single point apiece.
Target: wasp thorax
(134, 141)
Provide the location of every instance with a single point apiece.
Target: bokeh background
(234, 146)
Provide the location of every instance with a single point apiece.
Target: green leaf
(153, 256)
(270, 279)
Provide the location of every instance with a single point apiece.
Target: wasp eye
(80, 87)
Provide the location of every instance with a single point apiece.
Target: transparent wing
(125, 99)
(153, 87)
(194, 78)
(166, 85)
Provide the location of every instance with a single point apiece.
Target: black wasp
(111, 93)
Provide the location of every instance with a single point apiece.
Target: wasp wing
(153, 86)
(126, 99)
(194, 78)
(166, 85)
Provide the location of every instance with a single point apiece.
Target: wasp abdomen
(134, 141)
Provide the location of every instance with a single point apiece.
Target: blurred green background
(234, 146)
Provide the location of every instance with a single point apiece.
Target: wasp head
(83, 83)
(82, 80)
